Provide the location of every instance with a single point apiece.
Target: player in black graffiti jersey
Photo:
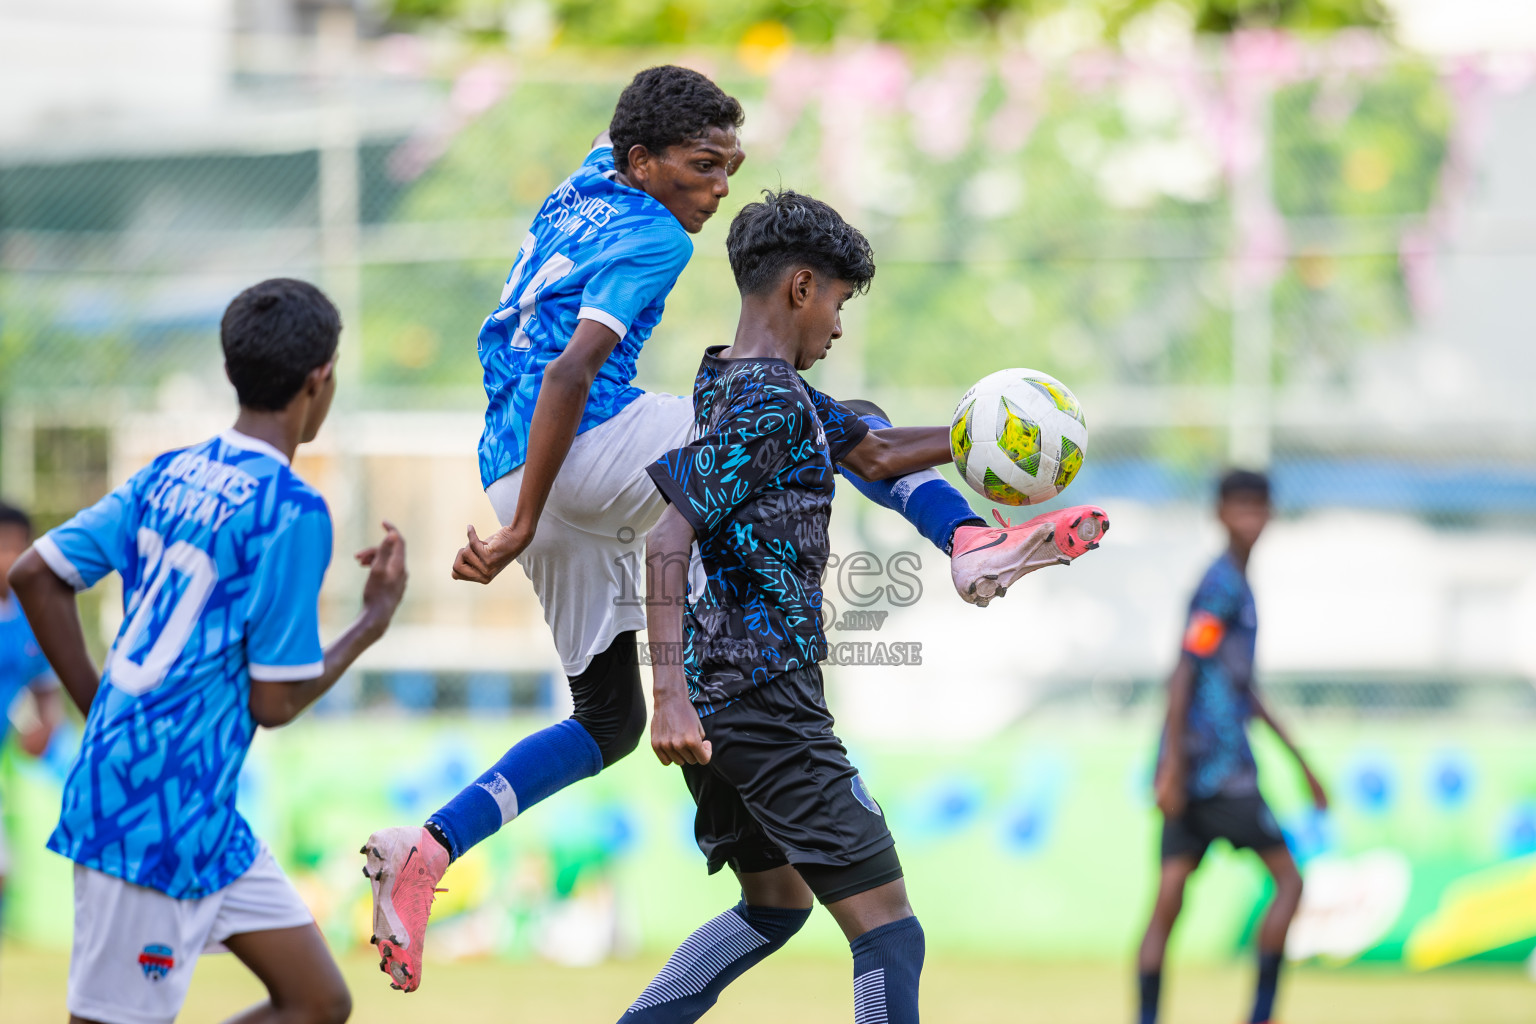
(757, 488)
(743, 711)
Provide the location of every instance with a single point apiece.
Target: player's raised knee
(330, 1006)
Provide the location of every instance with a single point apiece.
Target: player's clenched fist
(480, 560)
(677, 735)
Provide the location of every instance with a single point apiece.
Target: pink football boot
(985, 561)
(404, 867)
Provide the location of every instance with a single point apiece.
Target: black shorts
(779, 789)
(1244, 821)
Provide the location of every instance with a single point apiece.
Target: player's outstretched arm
(275, 703)
(556, 415)
(1171, 772)
(897, 451)
(49, 604)
(677, 736)
(1261, 711)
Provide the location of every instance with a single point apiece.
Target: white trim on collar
(236, 439)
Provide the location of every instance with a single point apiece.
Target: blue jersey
(222, 550)
(21, 661)
(598, 250)
(1220, 637)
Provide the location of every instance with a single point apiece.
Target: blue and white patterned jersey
(21, 661)
(221, 549)
(1221, 637)
(598, 250)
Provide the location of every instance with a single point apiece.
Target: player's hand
(386, 574)
(677, 735)
(480, 560)
(1169, 791)
(1319, 795)
(34, 740)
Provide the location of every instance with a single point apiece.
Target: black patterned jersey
(757, 489)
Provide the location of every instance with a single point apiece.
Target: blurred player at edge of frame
(22, 666)
(221, 549)
(563, 455)
(1207, 784)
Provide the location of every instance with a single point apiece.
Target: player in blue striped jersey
(222, 549)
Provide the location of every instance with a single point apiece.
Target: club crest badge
(156, 961)
(861, 794)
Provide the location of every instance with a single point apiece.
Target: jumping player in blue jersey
(563, 455)
(23, 669)
(221, 549)
(1207, 783)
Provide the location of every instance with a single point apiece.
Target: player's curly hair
(274, 333)
(789, 229)
(665, 106)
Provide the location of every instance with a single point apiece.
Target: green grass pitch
(817, 991)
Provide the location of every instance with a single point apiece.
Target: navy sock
(1269, 981)
(537, 766)
(924, 499)
(711, 958)
(887, 962)
(1151, 987)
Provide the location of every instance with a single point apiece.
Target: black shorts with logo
(1244, 821)
(779, 789)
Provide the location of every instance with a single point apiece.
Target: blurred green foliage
(707, 22)
(1042, 254)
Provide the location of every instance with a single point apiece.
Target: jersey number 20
(160, 562)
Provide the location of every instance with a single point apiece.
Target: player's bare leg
(1154, 944)
(888, 947)
(304, 985)
(1277, 922)
(774, 905)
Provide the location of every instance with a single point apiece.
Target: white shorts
(135, 948)
(588, 553)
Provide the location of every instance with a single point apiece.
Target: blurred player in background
(221, 549)
(23, 669)
(563, 455)
(1207, 783)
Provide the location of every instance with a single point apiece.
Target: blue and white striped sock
(925, 499)
(711, 958)
(887, 962)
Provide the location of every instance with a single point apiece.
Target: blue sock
(537, 766)
(887, 962)
(711, 958)
(1269, 981)
(924, 499)
(1151, 985)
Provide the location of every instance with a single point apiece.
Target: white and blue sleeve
(638, 270)
(98, 540)
(283, 631)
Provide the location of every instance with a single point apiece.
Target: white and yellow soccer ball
(1019, 437)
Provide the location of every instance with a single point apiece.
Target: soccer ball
(1019, 437)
